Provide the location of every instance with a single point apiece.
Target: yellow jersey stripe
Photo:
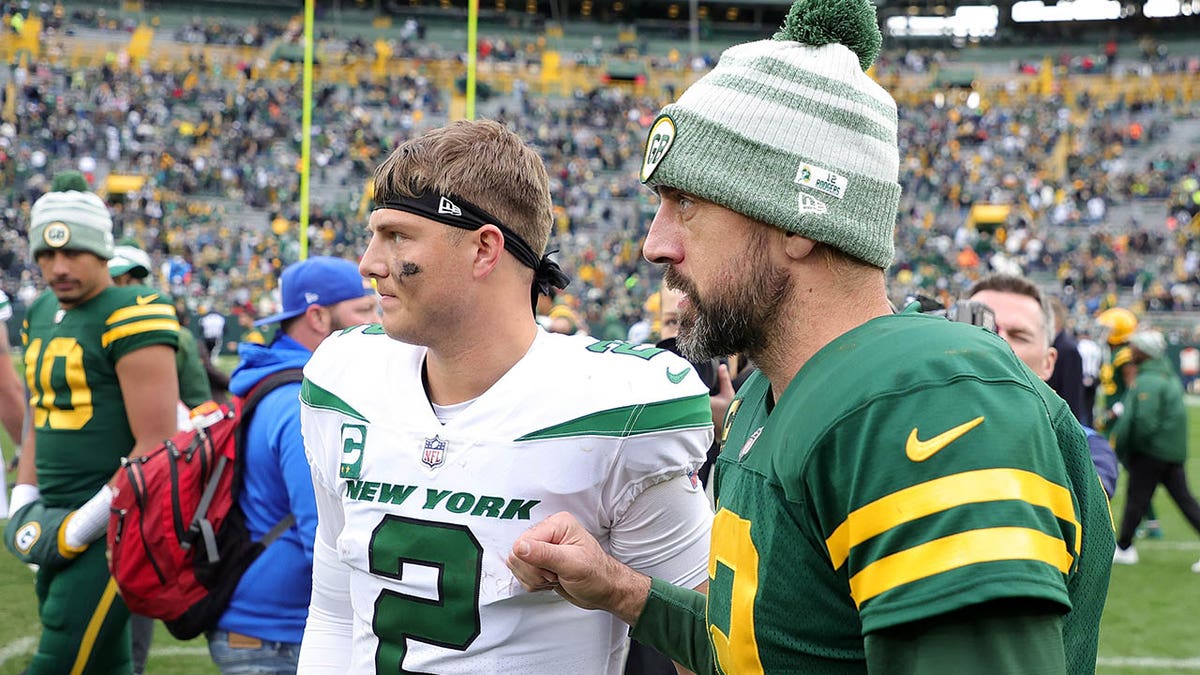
(144, 326)
(947, 492)
(93, 627)
(139, 312)
(955, 551)
(1107, 502)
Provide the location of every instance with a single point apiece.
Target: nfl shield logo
(434, 454)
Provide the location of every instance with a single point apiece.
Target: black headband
(452, 210)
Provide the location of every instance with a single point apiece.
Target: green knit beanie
(71, 220)
(69, 180)
(792, 132)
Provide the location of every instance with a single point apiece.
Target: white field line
(25, 645)
(1167, 545)
(1148, 662)
(17, 647)
(196, 650)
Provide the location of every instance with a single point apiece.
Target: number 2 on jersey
(452, 619)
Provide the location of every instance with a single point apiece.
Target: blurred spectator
(246, 330)
(212, 323)
(1067, 377)
(1090, 358)
(12, 400)
(1151, 436)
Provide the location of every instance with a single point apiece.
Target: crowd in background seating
(219, 149)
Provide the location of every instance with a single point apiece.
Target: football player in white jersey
(439, 437)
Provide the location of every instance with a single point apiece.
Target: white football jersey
(429, 512)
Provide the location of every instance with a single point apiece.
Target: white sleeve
(665, 533)
(330, 626)
(649, 459)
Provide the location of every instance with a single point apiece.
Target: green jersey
(79, 417)
(912, 468)
(194, 388)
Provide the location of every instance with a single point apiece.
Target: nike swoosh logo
(676, 378)
(147, 299)
(919, 451)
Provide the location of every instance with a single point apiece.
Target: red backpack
(177, 540)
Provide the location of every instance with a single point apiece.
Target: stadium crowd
(218, 151)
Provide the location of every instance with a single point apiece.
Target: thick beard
(735, 319)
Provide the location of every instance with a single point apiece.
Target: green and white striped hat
(129, 259)
(792, 132)
(71, 220)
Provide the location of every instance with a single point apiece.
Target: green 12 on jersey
(450, 618)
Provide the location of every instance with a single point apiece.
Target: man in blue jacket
(260, 632)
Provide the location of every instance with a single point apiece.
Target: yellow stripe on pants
(93, 627)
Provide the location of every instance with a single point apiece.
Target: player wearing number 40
(100, 366)
(896, 493)
(440, 436)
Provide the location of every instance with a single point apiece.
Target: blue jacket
(1105, 460)
(271, 600)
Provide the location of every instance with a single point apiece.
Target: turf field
(1149, 626)
(19, 622)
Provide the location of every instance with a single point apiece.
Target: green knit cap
(792, 132)
(71, 220)
(69, 180)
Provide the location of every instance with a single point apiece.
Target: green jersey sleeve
(673, 622)
(147, 318)
(997, 639)
(926, 505)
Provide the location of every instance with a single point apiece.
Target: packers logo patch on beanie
(658, 142)
(56, 235)
(71, 220)
(792, 132)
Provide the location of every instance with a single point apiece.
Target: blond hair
(482, 162)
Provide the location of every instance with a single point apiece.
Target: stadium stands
(1092, 169)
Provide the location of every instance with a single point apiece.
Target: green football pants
(85, 624)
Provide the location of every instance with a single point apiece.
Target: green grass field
(1149, 624)
(19, 622)
(1149, 621)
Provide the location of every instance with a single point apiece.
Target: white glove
(1118, 408)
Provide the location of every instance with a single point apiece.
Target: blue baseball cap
(321, 280)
